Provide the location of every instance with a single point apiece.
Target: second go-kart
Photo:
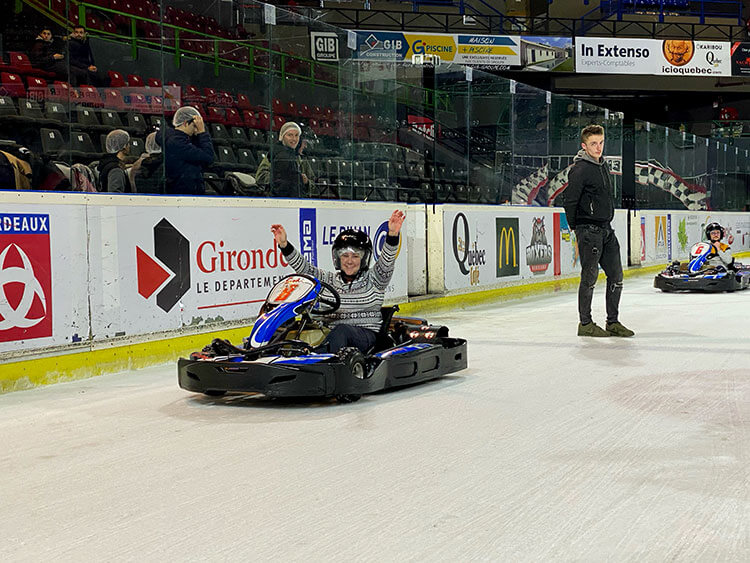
(696, 275)
(279, 358)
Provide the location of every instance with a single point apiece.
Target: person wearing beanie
(285, 170)
(187, 149)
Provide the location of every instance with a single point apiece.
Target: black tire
(348, 398)
(353, 359)
(214, 392)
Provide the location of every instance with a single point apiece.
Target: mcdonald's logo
(506, 230)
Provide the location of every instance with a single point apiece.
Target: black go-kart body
(278, 359)
(696, 275)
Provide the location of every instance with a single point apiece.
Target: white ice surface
(549, 447)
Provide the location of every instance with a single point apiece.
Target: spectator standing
(285, 170)
(187, 151)
(589, 207)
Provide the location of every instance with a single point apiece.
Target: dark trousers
(598, 246)
(343, 336)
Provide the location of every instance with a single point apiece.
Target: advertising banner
(741, 59)
(487, 246)
(43, 276)
(491, 52)
(458, 48)
(167, 267)
(652, 56)
(324, 46)
(668, 236)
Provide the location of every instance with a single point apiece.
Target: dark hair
(589, 130)
(79, 26)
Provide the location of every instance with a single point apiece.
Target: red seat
(37, 87)
(248, 118)
(12, 84)
(210, 95)
(292, 110)
(135, 81)
(116, 80)
(62, 92)
(243, 102)
(234, 119)
(191, 94)
(90, 96)
(314, 126)
(305, 111)
(154, 83)
(278, 121)
(279, 107)
(114, 100)
(139, 103)
(225, 99)
(263, 120)
(20, 63)
(216, 115)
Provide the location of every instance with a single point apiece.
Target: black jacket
(184, 160)
(80, 53)
(42, 54)
(108, 166)
(286, 173)
(589, 197)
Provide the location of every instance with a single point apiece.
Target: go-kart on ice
(696, 275)
(278, 359)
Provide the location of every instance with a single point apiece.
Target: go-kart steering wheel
(328, 300)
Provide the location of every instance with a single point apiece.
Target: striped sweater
(361, 299)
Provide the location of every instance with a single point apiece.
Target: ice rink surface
(548, 448)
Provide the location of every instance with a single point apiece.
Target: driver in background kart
(358, 319)
(720, 255)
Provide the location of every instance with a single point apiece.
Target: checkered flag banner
(649, 173)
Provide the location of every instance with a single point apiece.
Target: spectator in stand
(286, 171)
(187, 151)
(82, 66)
(114, 175)
(46, 56)
(149, 178)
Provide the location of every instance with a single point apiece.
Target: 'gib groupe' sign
(324, 46)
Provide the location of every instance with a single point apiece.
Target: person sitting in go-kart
(720, 254)
(362, 290)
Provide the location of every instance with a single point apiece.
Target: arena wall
(96, 283)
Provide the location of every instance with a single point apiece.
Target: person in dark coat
(149, 179)
(187, 151)
(46, 56)
(287, 178)
(589, 208)
(82, 65)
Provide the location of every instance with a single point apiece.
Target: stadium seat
(216, 115)
(154, 83)
(90, 96)
(137, 122)
(56, 111)
(62, 92)
(114, 100)
(52, 141)
(135, 81)
(233, 118)
(219, 133)
(36, 87)
(12, 85)
(116, 80)
(238, 137)
(21, 64)
(111, 119)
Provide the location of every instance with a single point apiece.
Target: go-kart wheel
(348, 398)
(214, 392)
(353, 359)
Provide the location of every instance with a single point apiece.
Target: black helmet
(714, 227)
(350, 239)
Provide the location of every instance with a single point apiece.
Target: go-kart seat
(384, 340)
